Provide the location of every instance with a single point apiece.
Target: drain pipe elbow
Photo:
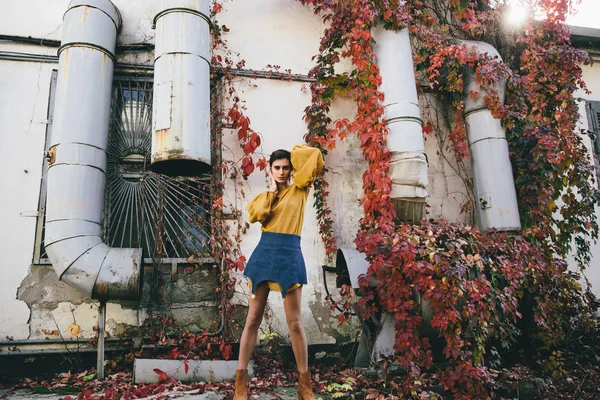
(76, 174)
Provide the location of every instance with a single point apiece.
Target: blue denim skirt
(278, 258)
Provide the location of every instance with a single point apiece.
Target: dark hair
(280, 155)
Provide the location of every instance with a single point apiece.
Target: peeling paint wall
(23, 105)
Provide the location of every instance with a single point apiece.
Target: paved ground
(288, 393)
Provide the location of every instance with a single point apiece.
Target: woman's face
(280, 170)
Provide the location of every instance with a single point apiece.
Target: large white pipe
(76, 174)
(408, 165)
(495, 192)
(181, 111)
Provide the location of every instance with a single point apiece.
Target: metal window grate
(166, 217)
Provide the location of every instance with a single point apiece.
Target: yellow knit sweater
(283, 212)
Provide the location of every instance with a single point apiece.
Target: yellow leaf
(74, 329)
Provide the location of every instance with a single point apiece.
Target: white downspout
(408, 165)
(496, 197)
(181, 143)
(76, 175)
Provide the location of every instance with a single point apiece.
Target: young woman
(277, 262)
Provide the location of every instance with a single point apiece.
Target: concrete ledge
(199, 370)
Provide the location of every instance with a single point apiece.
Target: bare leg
(292, 304)
(256, 309)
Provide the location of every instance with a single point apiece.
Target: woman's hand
(273, 187)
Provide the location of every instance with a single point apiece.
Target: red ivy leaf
(225, 350)
(162, 375)
(247, 166)
(173, 353)
(427, 128)
(261, 164)
(234, 115)
(240, 263)
(243, 123)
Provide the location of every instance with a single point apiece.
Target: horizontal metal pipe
(30, 40)
(56, 43)
(120, 66)
(27, 347)
(265, 75)
(4, 343)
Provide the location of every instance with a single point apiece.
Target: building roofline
(584, 37)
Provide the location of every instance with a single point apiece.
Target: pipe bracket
(89, 45)
(406, 118)
(182, 10)
(118, 23)
(187, 53)
(476, 110)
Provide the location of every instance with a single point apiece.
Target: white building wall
(591, 76)
(23, 107)
(262, 32)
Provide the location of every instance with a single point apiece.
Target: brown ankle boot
(241, 385)
(304, 387)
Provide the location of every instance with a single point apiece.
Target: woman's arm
(307, 162)
(259, 208)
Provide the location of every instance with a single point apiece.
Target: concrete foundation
(199, 370)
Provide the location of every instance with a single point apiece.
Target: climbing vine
(473, 282)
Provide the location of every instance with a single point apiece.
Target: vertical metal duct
(76, 174)
(181, 120)
(408, 166)
(495, 192)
